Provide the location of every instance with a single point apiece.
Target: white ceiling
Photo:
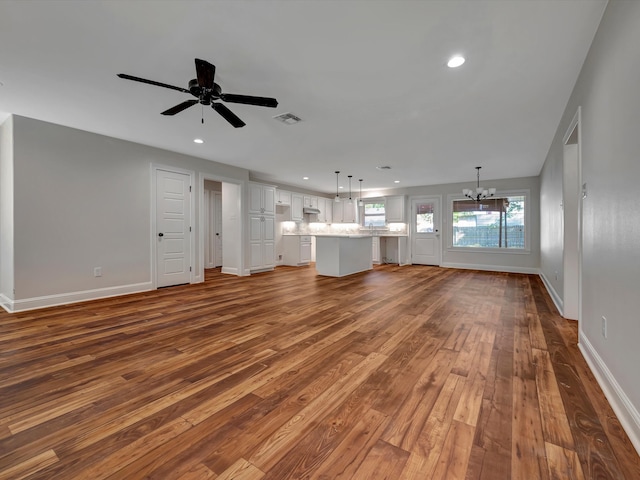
(368, 78)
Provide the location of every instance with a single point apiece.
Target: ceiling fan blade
(228, 115)
(249, 100)
(206, 72)
(151, 82)
(180, 107)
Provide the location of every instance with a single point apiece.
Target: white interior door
(426, 246)
(173, 224)
(217, 229)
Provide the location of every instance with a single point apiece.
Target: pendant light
(480, 193)
(350, 200)
(337, 199)
(360, 201)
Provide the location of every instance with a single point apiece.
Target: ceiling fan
(207, 92)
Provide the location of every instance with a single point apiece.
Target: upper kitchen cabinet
(328, 215)
(296, 207)
(262, 199)
(283, 197)
(326, 210)
(310, 201)
(345, 212)
(394, 209)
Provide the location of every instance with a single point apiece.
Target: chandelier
(480, 193)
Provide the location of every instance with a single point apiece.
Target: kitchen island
(341, 255)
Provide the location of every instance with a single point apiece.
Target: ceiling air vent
(288, 118)
(384, 167)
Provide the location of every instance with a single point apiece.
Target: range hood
(310, 210)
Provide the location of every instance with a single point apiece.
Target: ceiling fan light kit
(207, 92)
(480, 193)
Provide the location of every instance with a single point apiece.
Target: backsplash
(303, 228)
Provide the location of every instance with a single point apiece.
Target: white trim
(627, 414)
(557, 300)
(492, 268)
(202, 176)
(14, 306)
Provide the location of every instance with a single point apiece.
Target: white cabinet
(262, 199)
(375, 252)
(262, 237)
(262, 226)
(297, 250)
(394, 209)
(296, 207)
(345, 212)
(283, 198)
(310, 201)
(325, 205)
(328, 212)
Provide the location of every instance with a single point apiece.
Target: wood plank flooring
(397, 373)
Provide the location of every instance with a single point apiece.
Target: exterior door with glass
(426, 246)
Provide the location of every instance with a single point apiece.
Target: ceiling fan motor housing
(204, 94)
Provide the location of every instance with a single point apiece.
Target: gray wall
(608, 91)
(84, 200)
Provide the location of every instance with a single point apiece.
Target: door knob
(161, 234)
(217, 234)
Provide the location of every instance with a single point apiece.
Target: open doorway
(212, 224)
(572, 220)
(228, 245)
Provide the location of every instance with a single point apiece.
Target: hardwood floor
(397, 373)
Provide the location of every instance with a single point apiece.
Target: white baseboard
(14, 306)
(559, 303)
(491, 268)
(623, 407)
(230, 270)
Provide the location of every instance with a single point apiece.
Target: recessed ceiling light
(340, 186)
(198, 140)
(305, 178)
(396, 181)
(455, 61)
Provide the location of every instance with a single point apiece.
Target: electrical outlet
(604, 326)
(97, 271)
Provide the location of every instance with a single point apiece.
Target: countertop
(349, 235)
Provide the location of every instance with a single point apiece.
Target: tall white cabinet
(262, 226)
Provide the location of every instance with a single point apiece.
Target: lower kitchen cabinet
(262, 238)
(297, 250)
(375, 252)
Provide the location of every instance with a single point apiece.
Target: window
(374, 215)
(490, 223)
(424, 217)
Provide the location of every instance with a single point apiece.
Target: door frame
(155, 167)
(578, 189)
(411, 219)
(212, 200)
(239, 210)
